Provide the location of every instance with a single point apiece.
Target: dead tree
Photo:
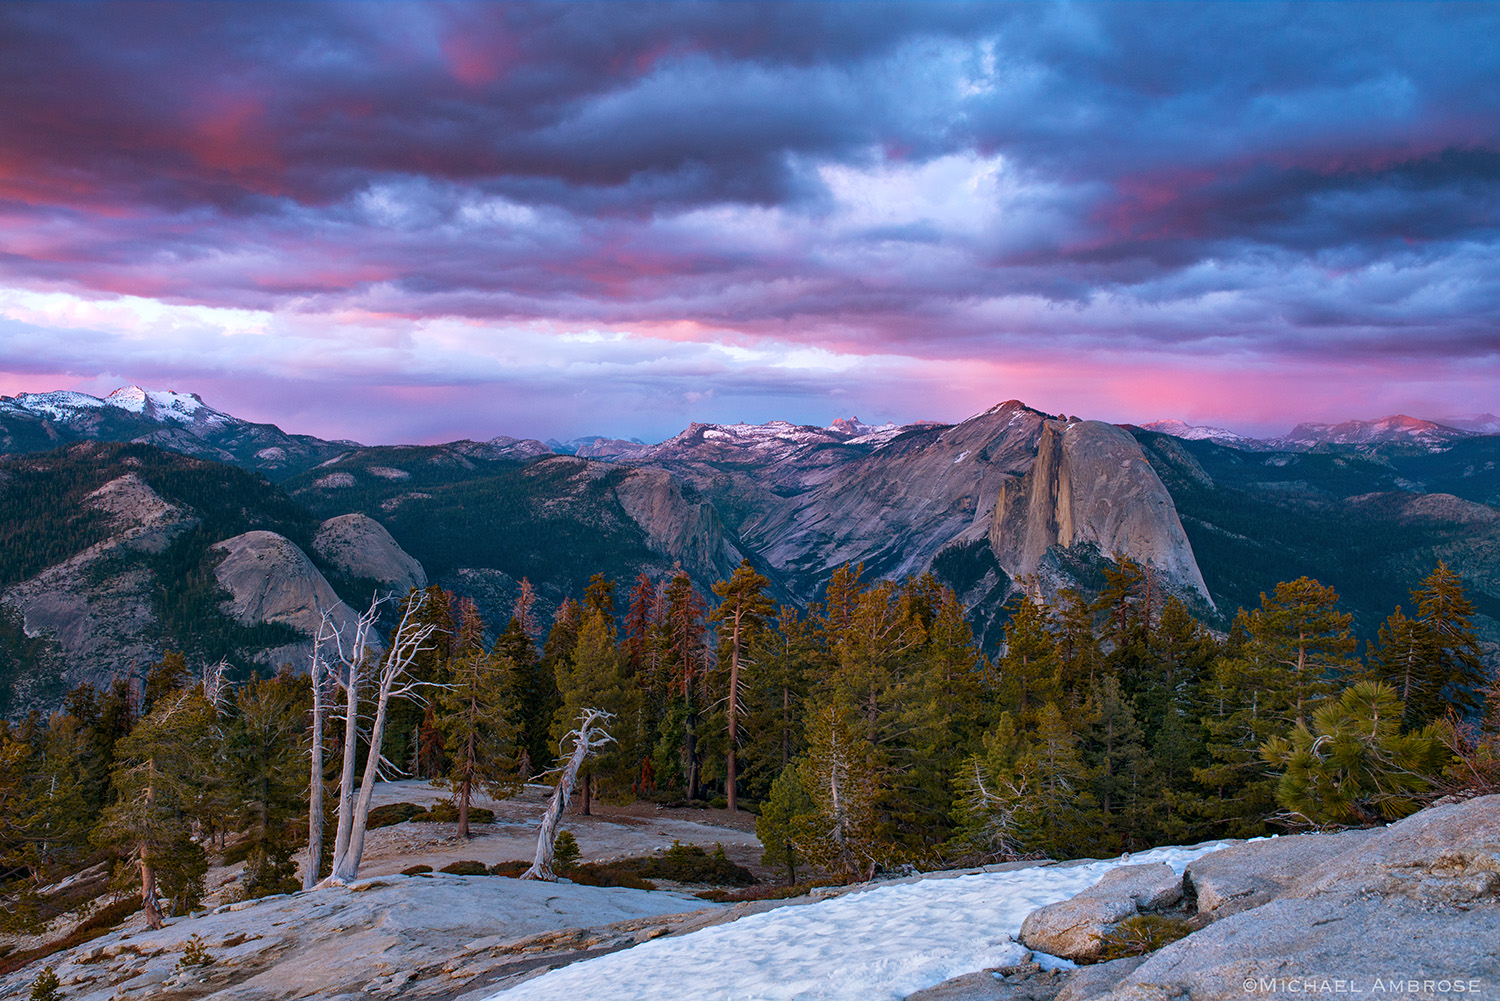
(393, 680)
(588, 738)
(318, 673)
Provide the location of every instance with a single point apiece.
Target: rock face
(269, 579)
(359, 546)
(1089, 982)
(94, 609)
(1074, 928)
(1417, 902)
(684, 528)
(1091, 483)
(1245, 876)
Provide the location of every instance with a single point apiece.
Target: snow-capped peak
(156, 405)
(1196, 432)
(160, 404)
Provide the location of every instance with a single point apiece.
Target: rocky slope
(180, 422)
(1363, 912)
(95, 607)
(360, 547)
(111, 555)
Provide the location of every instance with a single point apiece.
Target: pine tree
(788, 807)
(534, 699)
(1353, 765)
(686, 661)
(742, 612)
(1453, 673)
(476, 713)
(1302, 641)
(840, 778)
(1079, 657)
(157, 767)
(264, 754)
(1029, 664)
(785, 656)
(1121, 775)
(593, 679)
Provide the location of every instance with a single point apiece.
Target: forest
(866, 733)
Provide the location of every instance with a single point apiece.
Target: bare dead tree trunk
(346, 777)
(394, 681)
(315, 776)
(588, 738)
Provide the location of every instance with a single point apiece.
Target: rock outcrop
(1413, 909)
(1075, 928)
(360, 546)
(269, 579)
(1091, 483)
(1245, 876)
(94, 610)
(684, 528)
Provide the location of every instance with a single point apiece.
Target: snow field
(874, 945)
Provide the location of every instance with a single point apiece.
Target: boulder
(1089, 982)
(1074, 928)
(359, 546)
(1024, 981)
(1413, 909)
(1248, 875)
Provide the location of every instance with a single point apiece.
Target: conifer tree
(686, 660)
(784, 656)
(1028, 666)
(784, 811)
(264, 754)
(840, 778)
(742, 612)
(156, 769)
(476, 710)
(533, 700)
(1079, 658)
(1303, 644)
(593, 679)
(1353, 765)
(1433, 660)
(1121, 775)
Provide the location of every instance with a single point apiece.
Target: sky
(423, 221)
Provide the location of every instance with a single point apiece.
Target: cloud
(450, 195)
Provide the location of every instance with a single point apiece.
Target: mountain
(179, 422)
(1399, 430)
(112, 551)
(1199, 432)
(1397, 433)
(1370, 526)
(1477, 423)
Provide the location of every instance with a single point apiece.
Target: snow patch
(876, 945)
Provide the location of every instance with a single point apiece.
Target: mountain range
(149, 520)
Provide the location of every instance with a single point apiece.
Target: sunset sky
(418, 222)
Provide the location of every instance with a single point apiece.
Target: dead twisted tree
(587, 738)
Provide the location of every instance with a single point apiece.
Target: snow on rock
(879, 944)
(1199, 432)
(59, 405)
